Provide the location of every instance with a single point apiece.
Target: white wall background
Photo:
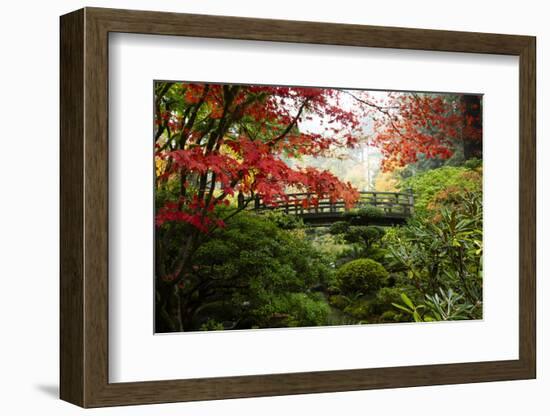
(29, 211)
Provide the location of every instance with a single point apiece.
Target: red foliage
(409, 124)
(253, 129)
(228, 139)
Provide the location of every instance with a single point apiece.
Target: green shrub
(387, 296)
(366, 235)
(304, 310)
(361, 276)
(339, 227)
(378, 254)
(292, 310)
(359, 214)
(361, 309)
(284, 221)
(434, 184)
(339, 301)
(370, 211)
(445, 253)
(333, 290)
(211, 325)
(257, 271)
(473, 163)
(392, 316)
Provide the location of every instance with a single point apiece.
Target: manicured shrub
(339, 227)
(357, 216)
(361, 276)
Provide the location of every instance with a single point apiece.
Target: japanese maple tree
(220, 147)
(408, 124)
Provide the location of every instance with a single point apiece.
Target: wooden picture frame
(84, 207)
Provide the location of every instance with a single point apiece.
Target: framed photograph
(254, 207)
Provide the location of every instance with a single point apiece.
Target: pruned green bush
(339, 227)
(361, 276)
(365, 211)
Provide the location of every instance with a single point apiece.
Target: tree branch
(291, 125)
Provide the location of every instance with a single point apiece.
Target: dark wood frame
(84, 208)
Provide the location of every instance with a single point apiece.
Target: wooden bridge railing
(390, 203)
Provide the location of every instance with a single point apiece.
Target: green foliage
(410, 308)
(365, 211)
(211, 325)
(284, 221)
(339, 227)
(387, 296)
(292, 309)
(445, 255)
(339, 301)
(450, 306)
(330, 247)
(364, 241)
(377, 254)
(295, 309)
(443, 306)
(361, 276)
(262, 273)
(473, 163)
(391, 316)
(425, 164)
(365, 235)
(270, 271)
(432, 185)
(360, 309)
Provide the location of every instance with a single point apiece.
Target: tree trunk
(167, 309)
(472, 139)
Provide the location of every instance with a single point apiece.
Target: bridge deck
(390, 208)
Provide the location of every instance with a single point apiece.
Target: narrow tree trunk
(472, 140)
(167, 307)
